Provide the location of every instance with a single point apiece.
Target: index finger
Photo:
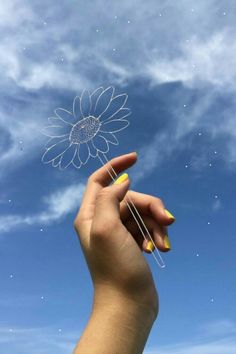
(101, 178)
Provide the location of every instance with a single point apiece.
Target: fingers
(101, 178)
(156, 231)
(147, 205)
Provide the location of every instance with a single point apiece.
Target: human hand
(110, 238)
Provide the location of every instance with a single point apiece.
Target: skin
(125, 303)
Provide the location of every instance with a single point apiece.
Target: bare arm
(125, 302)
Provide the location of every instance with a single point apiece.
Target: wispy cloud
(213, 338)
(56, 206)
(45, 340)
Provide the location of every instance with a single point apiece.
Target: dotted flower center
(84, 130)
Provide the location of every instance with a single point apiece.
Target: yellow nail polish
(169, 214)
(122, 178)
(167, 242)
(150, 247)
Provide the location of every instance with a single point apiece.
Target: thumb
(107, 207)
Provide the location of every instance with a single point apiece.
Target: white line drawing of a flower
(87, 130)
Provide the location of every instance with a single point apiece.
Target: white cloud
(57, 205)
(45, 340)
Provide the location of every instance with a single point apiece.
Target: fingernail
(150, 247)
(167, 242)
(169, 214)
(122, 178)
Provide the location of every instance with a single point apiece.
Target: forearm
(117, 327)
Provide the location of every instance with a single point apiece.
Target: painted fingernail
(122, 178)
(169, 214)
(167, 242)
(150, 247)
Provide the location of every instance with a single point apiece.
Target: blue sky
(176, 61)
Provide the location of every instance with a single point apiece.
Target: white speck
(208, 223)
(210, 164)
(194, 66)
(199, 133)
(10, 330)
(187, 40)
(45, 23)
(9, 200)
(216, 197)
(59, 329)
(42, 297)
(24, 48)
(128, 21)
(186, 166)
(215, 152)
(185, 105)
(197, 254)
(115, 17)
(212, 300)
(160, 15)
(11, 276)
(41, 230)
(62, 59)
(192, 10)
(114, 49)
(224, 13)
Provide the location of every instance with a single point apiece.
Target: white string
(157, 258)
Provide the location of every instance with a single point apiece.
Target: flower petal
(56, 131)
(55, 151)
(94, 97)
(68, 156)
(110, 138)
(85, 103)
(103, 101)
(76, 108)
(120, 113)
(54, 141)
(100, 143)
(93, 151)
(113, 126)
(76, 161)
(65, 115)
(56, 161)
(83, 153)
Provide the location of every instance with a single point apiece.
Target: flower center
(84, 130)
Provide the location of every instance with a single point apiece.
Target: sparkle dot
(199, 133)
(11, 276)
(197, 254)
(210, 164)
(41, 230)
(59, 329)
(192, 10)
(24, 48)
(45, 23)
(62, 59)
(216, 196)
(224, 13)
(185, 105)
(114, 49)
(215, 152)
(186, 166)
(208, 223)
(115, 17)
(187, 40)
(9, 200)
(10, 330)
(42, 297)
(160, 15)
(128, 21)
(212, 300)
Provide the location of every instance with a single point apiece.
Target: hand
(110, 238)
